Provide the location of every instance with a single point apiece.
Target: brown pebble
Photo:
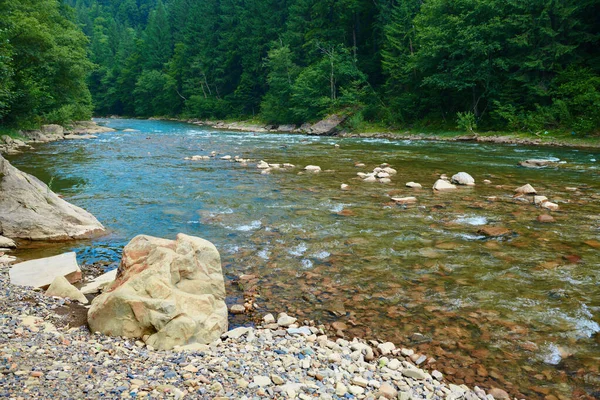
(37, 374)
(545, 218)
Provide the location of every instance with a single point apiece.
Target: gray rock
(30, 210)
(42, 272)
(328, 126)
(7, 243)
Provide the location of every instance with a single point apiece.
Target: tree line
(522, 65)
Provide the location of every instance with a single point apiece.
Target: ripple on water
(252, 226)
(471, 220)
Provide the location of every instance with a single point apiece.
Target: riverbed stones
(538, 200)
(463, 178)
(169, 292)
(262, 165)
(41, 273)
(414, 185)
(237, 309)
(443, 185)
(30, 210)
(60, 287)
(285, 320)
(525, 189)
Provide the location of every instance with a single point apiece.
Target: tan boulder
(525, 189)
(61, 287)
(441, 185)
(171, 290)
(30, 210)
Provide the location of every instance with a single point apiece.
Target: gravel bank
(42, 357)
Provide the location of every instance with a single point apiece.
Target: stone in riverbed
(405, 200)
(536, 163)
(285, 320)
(61, 287)
(30, 210)
(525, 189)
(386, 390)
(462, 178)
(537, 200)
(499, 394)
(43, 271)
(545, 218)
(414, 373)
(171, 290)
(262, 165)
(237, 309)
(441, 185)
(550, 206)
(414, 185)
(312, 168)
(494, 231)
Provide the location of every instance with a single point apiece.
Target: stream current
(520, 312)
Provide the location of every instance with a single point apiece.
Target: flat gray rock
(43, 271)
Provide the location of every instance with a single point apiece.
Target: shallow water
(521, 313)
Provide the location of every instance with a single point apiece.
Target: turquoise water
(525, 307)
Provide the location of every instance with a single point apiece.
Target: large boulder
(30, 210)
(168, 292)
(328, 126)
(462, 178)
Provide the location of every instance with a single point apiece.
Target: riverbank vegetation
(471, 65)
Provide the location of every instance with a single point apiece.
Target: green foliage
(466, 121)
(43, 64)
(526, 65)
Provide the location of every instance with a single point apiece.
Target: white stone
(262, 165)
(525, 189)
(236, 333)
(441, 185)
(43, 271)
(414, 373)
(390, 170)
(61, 287)
(394, 364)
(370, 178)
(385, 180)
(269, 319)
(262, 381)
(356, 390)
(344, 186)
(550, 206)
(386, 348)
(405, 200)
(537, 200)
(414, 185)
(312, 168)
(462, 178)
(285, 320)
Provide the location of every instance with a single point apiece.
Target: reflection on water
(519, 311)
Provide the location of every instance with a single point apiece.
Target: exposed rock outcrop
(327, 126)
(30, 210)
(168, 292)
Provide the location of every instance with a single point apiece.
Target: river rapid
(520, 312)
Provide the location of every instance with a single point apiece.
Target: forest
(507, 65)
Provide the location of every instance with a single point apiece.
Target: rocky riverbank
(50, 133)
(333, 126)
(41, 356)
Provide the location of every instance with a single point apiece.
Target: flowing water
(520, 312)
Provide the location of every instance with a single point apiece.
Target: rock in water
(441, 185)
(171, 290)
(462, 178)
(536, 163)
(30, 210)
(61, 287)
(525, 189)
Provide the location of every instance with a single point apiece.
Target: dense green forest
(522, 65)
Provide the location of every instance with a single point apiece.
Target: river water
(520, 312)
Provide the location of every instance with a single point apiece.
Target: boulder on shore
(168, 292)
(328, 126)
(30, 210)
(42, 272)
(61, 287)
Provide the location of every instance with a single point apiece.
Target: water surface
(520, 312)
